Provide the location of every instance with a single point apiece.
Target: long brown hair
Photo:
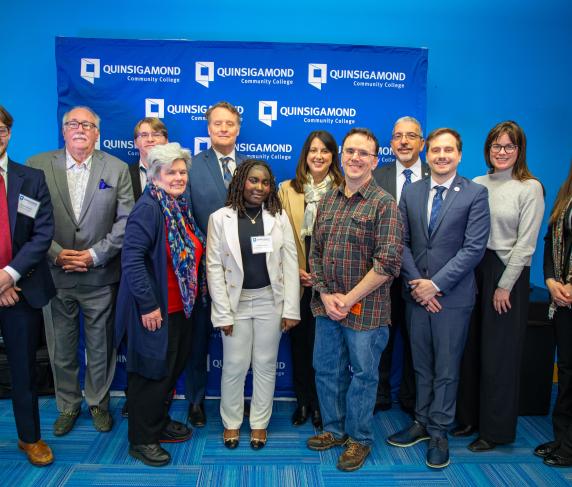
(517, 136)
(302, 168)
(562, 198)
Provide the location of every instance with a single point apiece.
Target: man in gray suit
(407, 142)
(209, 177)
(92, 197)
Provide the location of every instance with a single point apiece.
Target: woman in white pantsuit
(252, 273)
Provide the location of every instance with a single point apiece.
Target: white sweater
(517, 209)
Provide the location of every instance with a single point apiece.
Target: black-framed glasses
(411, 136)
(4, 131)
(508, 148)
(74, 125)
(363, 155)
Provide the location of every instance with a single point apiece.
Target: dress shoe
(102, 420)
(38, 453)
(300, 415)
(197, 415)
(231, 438)
(557, 460)
(438, 453)
(410, 436)
(151, 454)
(175, 432)
(353, 456)
(64, 422)
(317, 418)
(381, 406)
(546, 449)
(324, 441)
(258, 439)
(480, 445)
(463, 430)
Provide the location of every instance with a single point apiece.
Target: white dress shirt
(14, 274)
(416, 175)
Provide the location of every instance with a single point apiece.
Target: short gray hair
(95, 115)
(412, 120)
(163, 156)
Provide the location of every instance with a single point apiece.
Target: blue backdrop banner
(283, 92)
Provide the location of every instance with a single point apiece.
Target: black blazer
(135, 180)
(385, 176)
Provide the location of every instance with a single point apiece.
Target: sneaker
(64, 424)
(438, 453)
(102, 420)
(353, 457)
(410, 436)
(324, 441)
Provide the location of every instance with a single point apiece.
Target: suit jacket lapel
(136, 180)
(390, 183)
(454, 190)
(97, 166)
(424, 206)
(61, 179)
(15, 181)
(297, 210)
(268, 221)
(230, 224)
(214, 168)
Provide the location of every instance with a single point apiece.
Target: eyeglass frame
(410, 136)
(154, 135)
(497, 148)
(361, 153)
(86, 125)
(4, 131)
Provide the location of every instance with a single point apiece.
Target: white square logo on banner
(201, 144)
(89, 69)
(204, 72)
(155, 107)
(317, 74)
(267, 112)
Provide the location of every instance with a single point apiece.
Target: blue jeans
(346, 400)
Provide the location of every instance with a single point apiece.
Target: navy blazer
(206, 186)
(31, 237)
(457, 244)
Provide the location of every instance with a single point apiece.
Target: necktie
(437, 202)
(5, 239)
(407, 173)
(144, 172)
(227, 176)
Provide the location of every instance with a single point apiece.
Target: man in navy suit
(26, 229)
(446, 224)
(209, 177)
(407, 142)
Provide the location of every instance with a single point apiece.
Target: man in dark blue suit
(26, 229)
(209, 177)
(446, 224)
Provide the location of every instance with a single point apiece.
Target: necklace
(252, 220)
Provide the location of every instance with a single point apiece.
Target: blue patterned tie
(436, 208)
(227, 176)
(407, 173)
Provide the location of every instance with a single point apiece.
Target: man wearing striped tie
(209, 177)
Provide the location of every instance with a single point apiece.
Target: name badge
(28, 206)
(261, 245)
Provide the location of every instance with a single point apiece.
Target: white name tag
(28, 206)
(261, 245)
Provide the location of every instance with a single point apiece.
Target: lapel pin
(456, 188)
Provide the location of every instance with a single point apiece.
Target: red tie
(5, 238)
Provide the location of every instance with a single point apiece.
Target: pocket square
(103, 184)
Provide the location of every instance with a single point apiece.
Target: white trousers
(255, 339)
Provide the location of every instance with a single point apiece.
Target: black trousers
(488, 393)
(406, 394)
(302, 344)
(562, 412)
(147, 407)
(20, 325)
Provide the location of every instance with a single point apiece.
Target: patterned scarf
(312, 195)
(177, 215)
(558, 230)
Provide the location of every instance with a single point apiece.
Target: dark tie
(407, 173)
(436, 208)
(227, 176)
(6, 239)
(144, 171)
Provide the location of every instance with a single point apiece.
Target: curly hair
(235, 198)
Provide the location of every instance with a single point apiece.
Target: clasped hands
(8, 291)
(424, 292)
(561, 293)
(74, 260)
(337, 305)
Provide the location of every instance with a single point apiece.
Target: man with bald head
(92, 197)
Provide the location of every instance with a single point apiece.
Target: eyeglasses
(323, 152)
(74, 125)
(363, 155)
(509, 148)
(4, 131)
(152, 135)
(411, 136)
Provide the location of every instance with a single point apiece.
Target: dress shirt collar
(232, 154)
(415, 168)
(71, 162)
(447, 183)
(4, 163)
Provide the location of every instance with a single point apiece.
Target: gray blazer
(107, 203)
